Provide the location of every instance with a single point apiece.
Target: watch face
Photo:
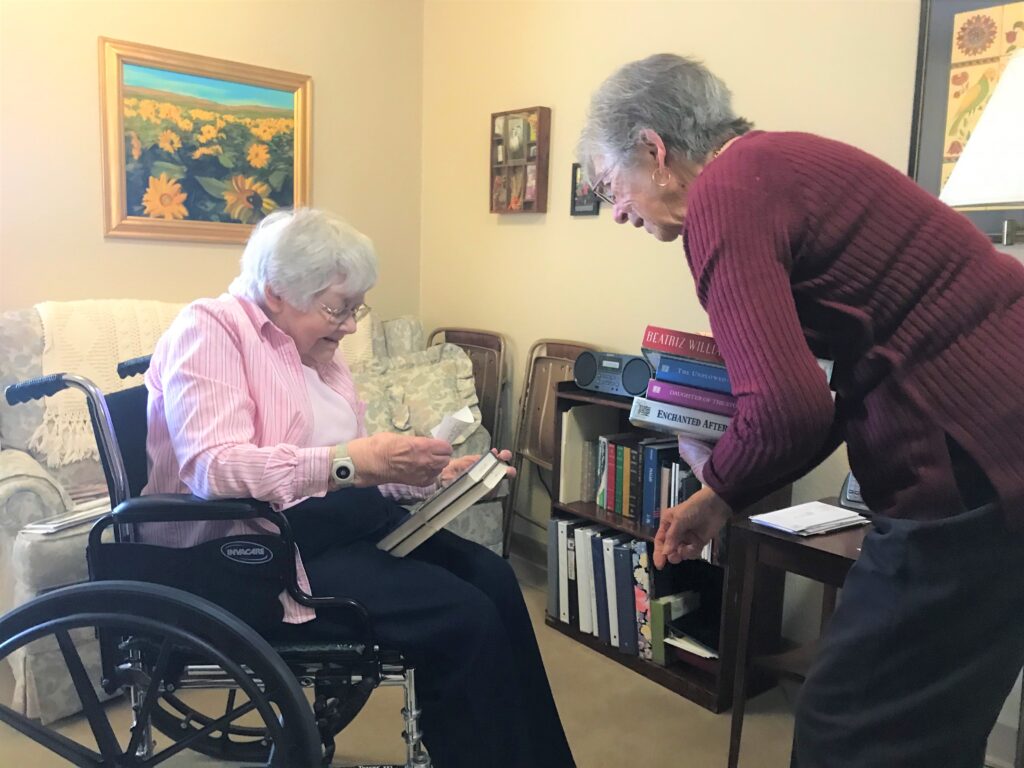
(342, 472)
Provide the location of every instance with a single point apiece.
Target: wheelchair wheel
(151, 632)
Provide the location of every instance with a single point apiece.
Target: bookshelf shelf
(705, 682)
(591, 511)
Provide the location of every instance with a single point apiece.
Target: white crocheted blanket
(89, 338)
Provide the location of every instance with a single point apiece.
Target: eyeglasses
(341, 316)
(602, 188)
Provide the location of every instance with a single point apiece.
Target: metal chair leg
(416, 756)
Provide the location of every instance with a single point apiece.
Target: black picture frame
(927, 137)
(582, 200)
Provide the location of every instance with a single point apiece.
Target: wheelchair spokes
(158, 630)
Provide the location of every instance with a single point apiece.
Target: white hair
(678, 98)
(298, 253)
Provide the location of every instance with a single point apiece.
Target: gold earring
(661, 177)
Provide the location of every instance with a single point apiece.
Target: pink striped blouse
(229, 417)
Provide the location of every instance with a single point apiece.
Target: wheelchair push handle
(128, 368)
(35, 389)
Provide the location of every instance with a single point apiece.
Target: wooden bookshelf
(705, 682)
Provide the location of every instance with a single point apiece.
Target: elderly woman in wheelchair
(248, 398)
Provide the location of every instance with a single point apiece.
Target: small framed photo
(518, 137)
(584, 201)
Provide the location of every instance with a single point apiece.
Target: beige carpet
(613, 717)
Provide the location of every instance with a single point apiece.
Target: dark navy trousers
(456, 611)
(923, 649)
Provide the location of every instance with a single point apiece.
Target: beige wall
(364, 58)
(842, 69)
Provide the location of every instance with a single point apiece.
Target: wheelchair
(172, 621)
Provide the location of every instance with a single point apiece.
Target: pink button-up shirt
(230, 417)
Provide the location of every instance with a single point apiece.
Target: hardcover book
(678, 420)
(665, 341)
(691, 397)
(445, 505)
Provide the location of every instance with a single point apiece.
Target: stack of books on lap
(809, 519)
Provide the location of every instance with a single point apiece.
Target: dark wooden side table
(758, 551)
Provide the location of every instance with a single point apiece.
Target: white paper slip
(454, 425)
(810, 518)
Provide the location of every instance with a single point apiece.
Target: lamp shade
(990, 170)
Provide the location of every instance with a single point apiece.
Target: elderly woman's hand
(390, 458)
(687, 527)
(457, 466)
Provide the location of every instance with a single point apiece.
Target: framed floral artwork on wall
(196, 148)
(963, 47)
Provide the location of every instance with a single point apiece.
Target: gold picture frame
(197, 148)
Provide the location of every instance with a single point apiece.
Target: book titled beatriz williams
(680, 344)
(691, 397)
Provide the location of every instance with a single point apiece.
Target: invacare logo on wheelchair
(246, 552)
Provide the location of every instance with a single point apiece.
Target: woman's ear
(654, 144)
(273, 302)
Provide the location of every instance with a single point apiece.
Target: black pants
(456, 611)
(922, 651)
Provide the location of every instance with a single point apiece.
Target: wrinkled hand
(457, 466)
(390, 458)
(695, 453)
(687, 527)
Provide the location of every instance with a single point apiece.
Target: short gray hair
(298, 253)
(678, 98)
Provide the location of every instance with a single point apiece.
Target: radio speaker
(611, 373)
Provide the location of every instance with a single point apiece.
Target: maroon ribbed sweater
(802, 246)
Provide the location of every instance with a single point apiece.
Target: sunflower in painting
(247, 200)
(258, 155)
(164, 199)
(169, 141)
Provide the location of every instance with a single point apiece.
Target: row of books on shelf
(603, 584)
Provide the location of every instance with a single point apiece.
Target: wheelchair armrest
(171, 507)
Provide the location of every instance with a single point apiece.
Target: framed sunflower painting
(963, 47)
(196, 148)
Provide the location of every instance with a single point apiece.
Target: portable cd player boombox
(611, 373)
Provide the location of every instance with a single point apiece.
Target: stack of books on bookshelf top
(690, 393)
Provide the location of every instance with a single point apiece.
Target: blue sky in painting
(221, 91)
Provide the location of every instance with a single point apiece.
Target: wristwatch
(343, 471)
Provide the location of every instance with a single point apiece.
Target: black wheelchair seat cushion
(244, 574)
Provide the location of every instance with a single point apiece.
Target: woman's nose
(619, 214)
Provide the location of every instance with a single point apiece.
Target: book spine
(553, 586)
(693, 374)
(652, 474)
(674, 418)
(635, 482)
(642, 593)
(583, 573)
(665, 484)
(588, 474)
(600, 590)
(602, 471)
(658, 621)
(573, 602)
(613, 452)
(620, 479)
(624, 597)
(610, 598)
(690, 397)
(682, 344)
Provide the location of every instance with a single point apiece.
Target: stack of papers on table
(809, 519)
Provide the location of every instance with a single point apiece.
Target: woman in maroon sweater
(803, 247)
